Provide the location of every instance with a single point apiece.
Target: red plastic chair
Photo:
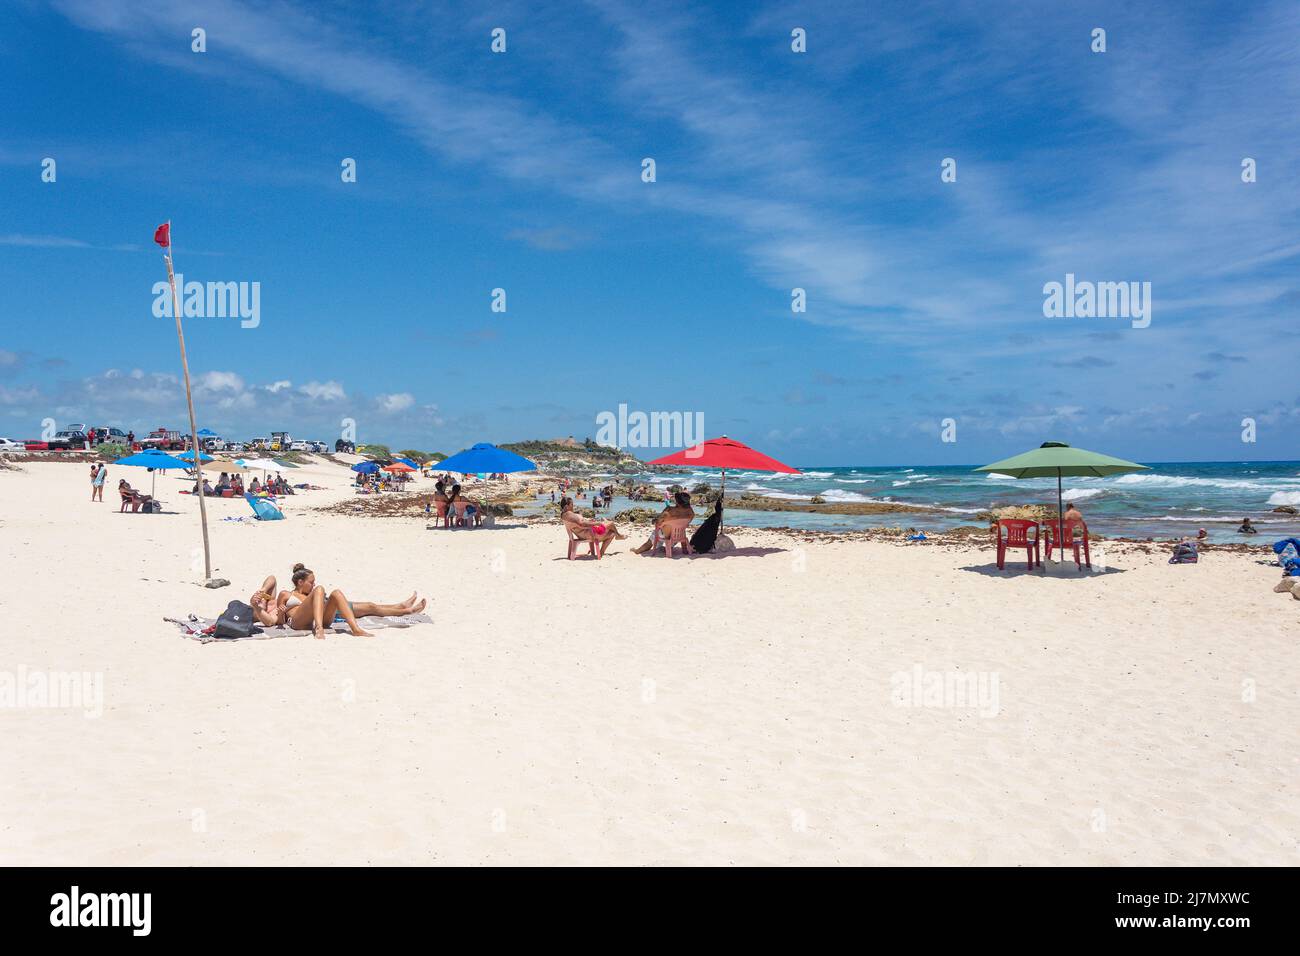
(1018, 536)
(1066, 539)
(673, 535)
(575, 541)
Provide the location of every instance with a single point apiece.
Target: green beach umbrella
(1055, 459)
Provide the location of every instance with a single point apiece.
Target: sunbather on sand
(264, 604)
(307, 606)
(587, 529)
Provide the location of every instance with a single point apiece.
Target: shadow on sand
(496, 527)
(1057, 571)
(735, 553)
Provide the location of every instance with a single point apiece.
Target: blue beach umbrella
(365, 467)
(155, 461)
(407, 461)
(189, 456)
(484, 457)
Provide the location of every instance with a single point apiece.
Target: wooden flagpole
(189, 400)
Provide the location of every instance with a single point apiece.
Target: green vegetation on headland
(571, 457)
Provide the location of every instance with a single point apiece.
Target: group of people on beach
(602, 533)
(307, 606)
(451, 500)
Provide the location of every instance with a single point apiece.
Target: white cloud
(398, 402)
(330, 391)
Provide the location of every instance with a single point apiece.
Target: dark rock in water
(500, 511)
(703, 494)
(1286, 510)
(818, 500)
(636, 516)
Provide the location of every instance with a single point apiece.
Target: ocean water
(1171, 500)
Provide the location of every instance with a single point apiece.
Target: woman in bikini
(265, 607)
(585, 528)
(308, 606)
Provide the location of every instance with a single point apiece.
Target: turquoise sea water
(1173, 499)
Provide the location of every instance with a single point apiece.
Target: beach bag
(235, 622)
(1184, 553)
(152, 506)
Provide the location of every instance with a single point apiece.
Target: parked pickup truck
(164, 439)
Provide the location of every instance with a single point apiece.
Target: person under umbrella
(724, 453)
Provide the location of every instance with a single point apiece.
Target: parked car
(320, 447)
(79, 427)
(66, 440)
(301, 445)
(109, 436)
(345, 447)
(259, 444)
(8, 445)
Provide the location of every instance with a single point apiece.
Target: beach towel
(202, 629)
(264, 508)
(1184, 553)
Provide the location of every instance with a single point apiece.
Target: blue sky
(775, 170)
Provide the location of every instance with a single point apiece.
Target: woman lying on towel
(308, 606)
(586, 528)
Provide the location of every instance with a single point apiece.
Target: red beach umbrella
(724, 453)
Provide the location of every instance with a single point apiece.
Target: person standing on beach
(99, 474)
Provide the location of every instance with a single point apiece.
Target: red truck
(164, 439)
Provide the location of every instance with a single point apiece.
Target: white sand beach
(735, 709)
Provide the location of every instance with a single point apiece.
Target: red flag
(163, 236)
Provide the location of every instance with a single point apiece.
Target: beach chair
(576, 539)
(1017, 535)
(462, 507)
(673, 534)
(441, 508)
(1066, 539)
